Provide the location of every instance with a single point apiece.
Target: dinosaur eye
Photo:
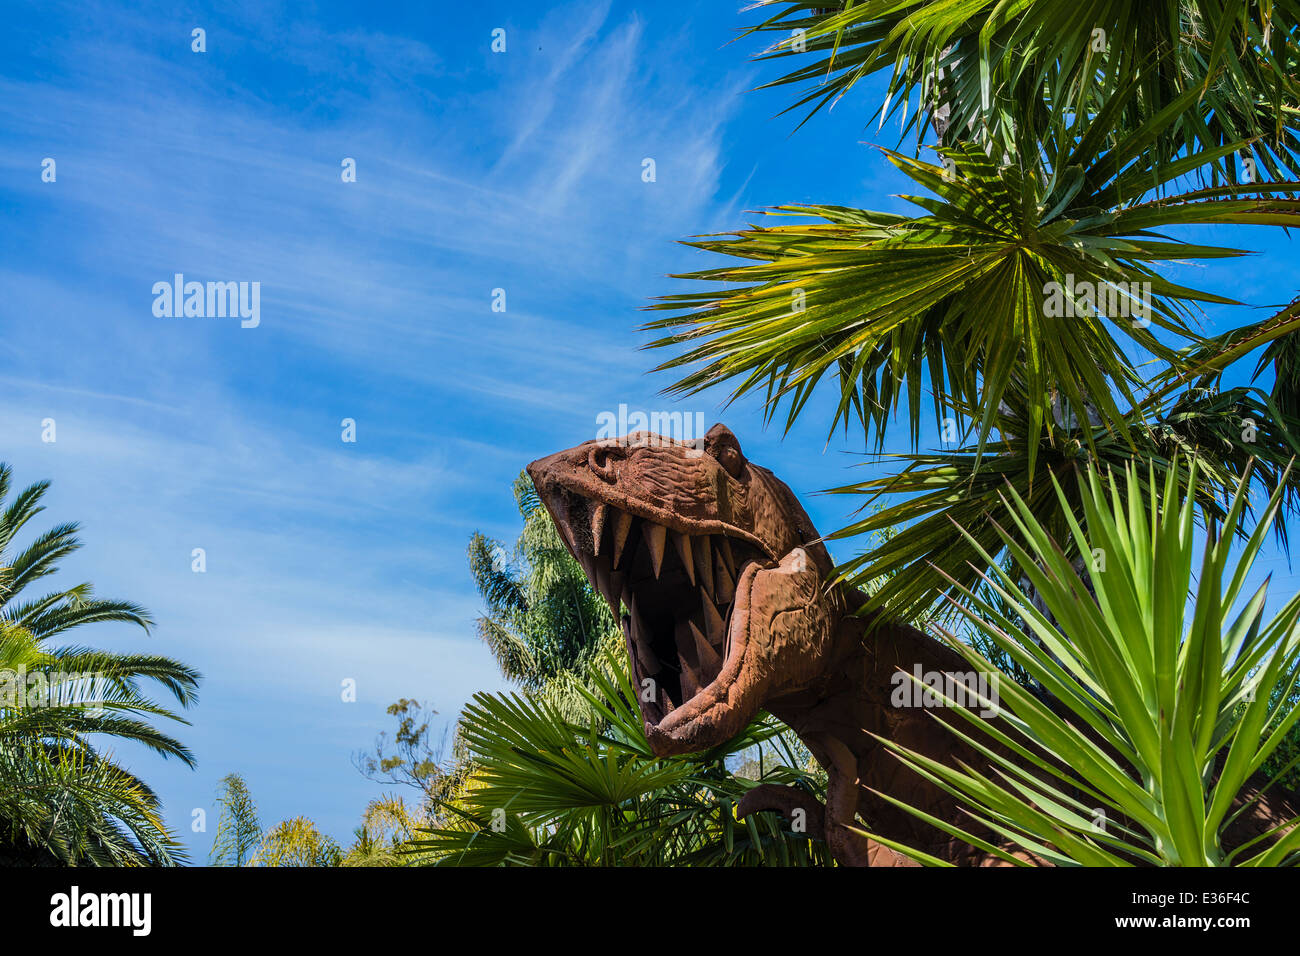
(731, 460)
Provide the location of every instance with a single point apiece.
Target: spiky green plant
(238, 829)
(1171, 684)
(1222, 432)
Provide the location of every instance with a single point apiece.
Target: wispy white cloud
(325, 559)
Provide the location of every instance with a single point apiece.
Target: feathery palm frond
(61, 797)
(1227, 434)
(993, 71)
(296, 842)
(1033, 274)
(238, 829)
(68, 805)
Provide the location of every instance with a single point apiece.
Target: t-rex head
(712, 566)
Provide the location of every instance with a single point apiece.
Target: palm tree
(1029, 296)
(63, 798)
(954, 486)
(1010, 295)
(999, 73)
(387, 828)
(387, 835)
(296, 842)
(238, 829)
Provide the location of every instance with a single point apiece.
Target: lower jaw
(678, 673)
(690, 726)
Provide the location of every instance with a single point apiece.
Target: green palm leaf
(1036, 278)
(1166, 658)
(62, 798)
(1227, 434)
(994, 70)
(547, 791)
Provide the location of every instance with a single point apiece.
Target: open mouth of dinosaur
(673, 593)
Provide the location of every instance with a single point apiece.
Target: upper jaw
(560, 498)
(662, 483)
(672, 584)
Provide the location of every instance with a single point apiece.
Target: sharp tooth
(725, 589)
(687, 635)
(705, 653)
(713, 623)
(728, 559)
(655, 536)
(602, 585)
(617, 588)
(598, 512)
(622, 526)
(650, 665)
(683, 545)
(560, 511)
(704, 562)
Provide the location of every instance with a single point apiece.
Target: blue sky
(475, 171)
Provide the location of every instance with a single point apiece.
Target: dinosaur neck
(857, 696)
(839, 709)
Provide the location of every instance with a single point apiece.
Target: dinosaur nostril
(600, 459)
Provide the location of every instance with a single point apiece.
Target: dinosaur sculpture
(722, 577)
